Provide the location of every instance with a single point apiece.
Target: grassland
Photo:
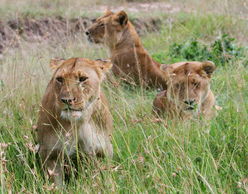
(169, 157)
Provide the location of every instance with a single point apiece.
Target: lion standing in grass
(130, 60)
(74, 113)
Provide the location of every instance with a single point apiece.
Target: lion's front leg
(102, 147)
(52, 163)
(55, 171)
(105, 151)
(95, 142)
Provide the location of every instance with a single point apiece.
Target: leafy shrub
(224, 50)
(190, 50)
(221, 51)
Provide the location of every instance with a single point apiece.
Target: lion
(74, 114)
(130, 60)
(188, 93)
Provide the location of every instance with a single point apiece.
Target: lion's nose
(189, 102)
(68, 101)
(87, 33)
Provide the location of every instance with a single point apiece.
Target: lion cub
(74, 113)
(188, 93)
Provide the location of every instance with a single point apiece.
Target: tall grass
(170, 156)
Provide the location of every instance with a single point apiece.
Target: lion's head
(107, 28)
(76, 85)
(188, 83)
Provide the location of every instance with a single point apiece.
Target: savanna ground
(169, 157)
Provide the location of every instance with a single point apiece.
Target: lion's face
(188, 84)
(76, 85)
(107, 28)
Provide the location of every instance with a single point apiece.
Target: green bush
(221, 51)
(190, 50)
(224, 50)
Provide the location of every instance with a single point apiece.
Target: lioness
(188, 91)
(74, 113)
(130, 60)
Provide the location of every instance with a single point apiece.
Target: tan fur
(188, 93)
(130, 60)
(84, 121)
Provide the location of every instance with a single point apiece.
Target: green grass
(170, 157)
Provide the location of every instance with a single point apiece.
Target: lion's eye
(102, 24)
(60, 79)
(177, 85)
(83, 78)
(196, 84)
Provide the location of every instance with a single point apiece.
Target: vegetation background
(149, 156)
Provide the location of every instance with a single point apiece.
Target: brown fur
(130, 60)
(74, 112)
(188, 93)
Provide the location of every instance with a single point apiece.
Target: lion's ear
(122, 18)
(105, 65)
(108, 12)
(208, 67)
(55, 63)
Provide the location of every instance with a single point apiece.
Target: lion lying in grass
(188, 93)
(74, 113)
(130, 60)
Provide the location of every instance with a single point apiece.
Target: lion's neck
(129, 57)
(127, 41)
